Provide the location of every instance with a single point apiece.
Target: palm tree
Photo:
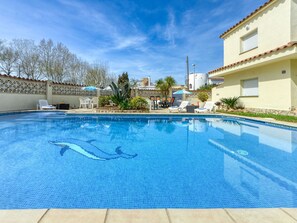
(133, 85)
(165, 85)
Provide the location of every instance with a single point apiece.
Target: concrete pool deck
(273, 215)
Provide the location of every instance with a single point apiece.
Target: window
(250, 41)
(250, 87)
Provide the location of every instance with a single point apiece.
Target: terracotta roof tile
(216, 78)
(290, 44)
(247, 17)
(61, 83)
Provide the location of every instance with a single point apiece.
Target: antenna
(187, 75)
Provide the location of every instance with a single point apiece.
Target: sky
(141, 37)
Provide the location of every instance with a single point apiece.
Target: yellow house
(260, 58)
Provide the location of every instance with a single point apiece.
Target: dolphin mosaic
(87, 149)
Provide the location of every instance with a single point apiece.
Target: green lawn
(285, 118)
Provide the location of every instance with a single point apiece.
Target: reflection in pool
(181, 162)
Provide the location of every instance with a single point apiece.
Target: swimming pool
(53, 160)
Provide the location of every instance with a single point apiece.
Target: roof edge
(288, 45)
(262, 7)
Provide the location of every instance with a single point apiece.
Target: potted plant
(202, 96)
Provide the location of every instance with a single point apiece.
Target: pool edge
(226, 215)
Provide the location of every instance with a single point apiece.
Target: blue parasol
(182, 92)
(89, 88)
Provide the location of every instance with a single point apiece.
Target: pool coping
(258, 119)
(224, 215)
(75, 112)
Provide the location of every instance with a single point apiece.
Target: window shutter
(249, 42)
(250, 87)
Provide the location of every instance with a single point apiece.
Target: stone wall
(272, 111)
(14, 85)
(146, 93)
(70, 89)
(195, 94)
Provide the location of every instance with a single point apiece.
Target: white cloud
(97, 30)
(170, 30)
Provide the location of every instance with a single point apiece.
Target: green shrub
(138, 103)
(120, 94)
(124, 105)
(104, 100)
(203, 96)
(207, 87)
(230, 102)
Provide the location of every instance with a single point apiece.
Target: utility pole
(187, 76)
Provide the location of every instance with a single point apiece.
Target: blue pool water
(53, 160)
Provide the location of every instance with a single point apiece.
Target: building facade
(215, 80)
(260, 58)
(197, 80)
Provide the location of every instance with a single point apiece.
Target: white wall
(73, 101)
(294, 83)
(274, 30)
(294, 20)
(15, 102)
(217, 93)
(197, 80)
(274, 86)
(23, 94)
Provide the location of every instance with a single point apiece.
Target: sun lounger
(180, 108)
(208, 107)
(43, 105)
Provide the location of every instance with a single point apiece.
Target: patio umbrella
(182, 92)
(108, 88)
(93, 88)
(89, 88)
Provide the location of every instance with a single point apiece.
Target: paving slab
(292, 212)
(74, 216)
(137, 216)
(269, 215)
(199, 216)
(21, 216)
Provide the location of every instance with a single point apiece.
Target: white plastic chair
(43, 105)
(94, 102)
(84, 102)
(180, 108)
(208, 107)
